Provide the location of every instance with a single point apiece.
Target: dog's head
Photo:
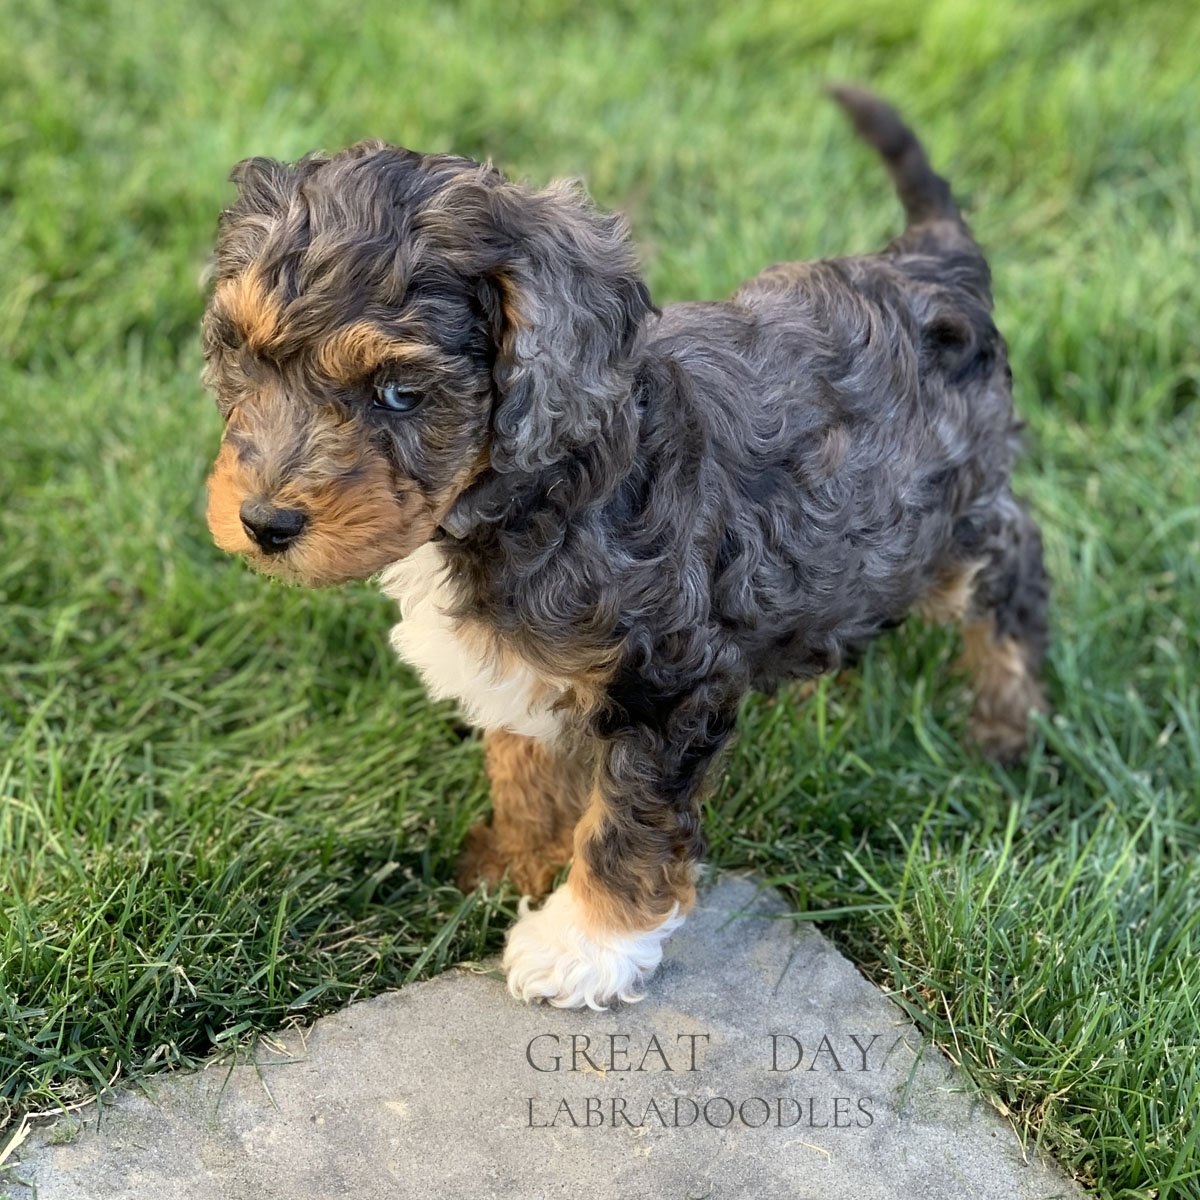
(385, 330)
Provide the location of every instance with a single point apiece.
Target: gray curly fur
(722, 495)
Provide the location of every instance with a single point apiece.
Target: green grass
(224, 806)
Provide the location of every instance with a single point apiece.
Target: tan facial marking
(251, 309)
(358, 528)
(228, 487)
(355, 351)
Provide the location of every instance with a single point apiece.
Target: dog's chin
(277, 566)
(297, 568)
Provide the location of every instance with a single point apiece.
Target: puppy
(605, 523)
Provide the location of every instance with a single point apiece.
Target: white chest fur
(493, 691)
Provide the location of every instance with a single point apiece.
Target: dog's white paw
(550, 957)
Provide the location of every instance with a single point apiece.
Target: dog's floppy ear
(568, 301)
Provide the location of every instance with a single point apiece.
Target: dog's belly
(458, 661)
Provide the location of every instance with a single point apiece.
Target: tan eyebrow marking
(247, 304)
(356, 350)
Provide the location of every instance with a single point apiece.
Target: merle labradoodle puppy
(604, 522)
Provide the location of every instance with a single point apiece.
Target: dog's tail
(924, 193)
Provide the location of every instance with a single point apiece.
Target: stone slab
(762, 1064)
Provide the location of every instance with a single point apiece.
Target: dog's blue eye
(395, 397)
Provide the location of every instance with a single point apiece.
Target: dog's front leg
(539, 791)
(637, 847)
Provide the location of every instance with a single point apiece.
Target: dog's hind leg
(539, 791)
(1005, 631)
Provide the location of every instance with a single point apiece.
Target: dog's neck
(504, 536)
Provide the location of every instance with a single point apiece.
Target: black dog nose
(273, 529)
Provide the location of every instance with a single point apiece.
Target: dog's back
(851, 423)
